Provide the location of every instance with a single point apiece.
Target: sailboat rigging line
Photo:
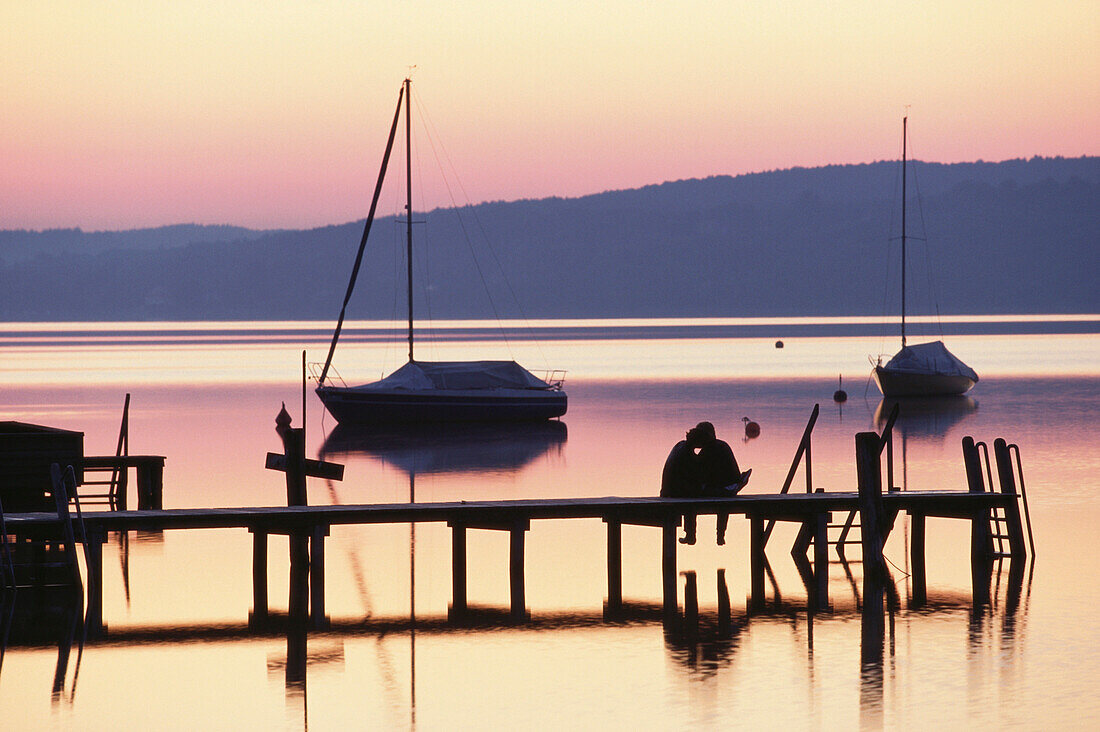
(890, 259)
(927, 254)
(363, 240)
(431, 134)
(424, 252)
(428, 130)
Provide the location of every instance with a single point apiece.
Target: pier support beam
(458, 568)
(981, 539)
(871, 510)
(917, 559)
(668, 566)
(757, 560)
(259, 575)
(150, 484)
(515, 569)
(318, 619)
(1007, 477)
(821, 561)
(614, 565)
(93, 555)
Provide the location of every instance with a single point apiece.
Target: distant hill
(1015, 237)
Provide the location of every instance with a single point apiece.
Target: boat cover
(929, 358)
(458, 375)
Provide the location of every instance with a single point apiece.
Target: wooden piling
(821, 561)
(515, 569)
(458, 568)
(614, 565)
(981, 539)
(1007, 478)
(318, 619)
(869, 478)
(917, 559)
(668, 566)
(259, 574)
(93, 554)
(756, 560)
(150, 483)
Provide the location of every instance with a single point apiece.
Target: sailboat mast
(409, 206)
(904, 140)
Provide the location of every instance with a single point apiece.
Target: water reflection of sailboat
(446, 448)
(925, 417)
(442, 449)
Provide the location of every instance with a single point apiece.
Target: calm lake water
(178, 652)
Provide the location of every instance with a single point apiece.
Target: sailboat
(433, 391)
(923, 369)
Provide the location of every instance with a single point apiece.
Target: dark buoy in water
(779, 344)
(840, 396)
(752, 429)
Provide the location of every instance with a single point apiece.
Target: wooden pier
(995, 516)
(812, 511)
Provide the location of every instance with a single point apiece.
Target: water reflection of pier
(699, 640)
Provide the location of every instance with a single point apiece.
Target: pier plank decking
(515, 516)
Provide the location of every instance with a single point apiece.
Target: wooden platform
(629, 510)
(513, 516)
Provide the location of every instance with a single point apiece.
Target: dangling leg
(689, 529)
(723, 522)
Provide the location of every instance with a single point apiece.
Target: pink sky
(273, 114)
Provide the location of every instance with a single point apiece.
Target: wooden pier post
(981, 539)
(614, 565)
(515, 569)
(1007, 478)
(259, 575)
(93, 555)
(307, 582)
(871, 511)
(821, 560)
(150, 483)
(668, 566)
(757, 560)
(317, 615)
(917, 559)
(458, 568)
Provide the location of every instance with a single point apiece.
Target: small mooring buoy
(840, 396)
(779, 344)
(752, 429)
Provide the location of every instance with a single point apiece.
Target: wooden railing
(804, 448)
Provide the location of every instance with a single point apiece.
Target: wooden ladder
(1006, 532)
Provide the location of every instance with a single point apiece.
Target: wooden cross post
(293, 462)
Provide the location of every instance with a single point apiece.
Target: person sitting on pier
(710, 472)
(720, 474)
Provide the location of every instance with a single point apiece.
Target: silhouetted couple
(702, 466)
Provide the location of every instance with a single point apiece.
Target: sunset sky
(122, 114)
